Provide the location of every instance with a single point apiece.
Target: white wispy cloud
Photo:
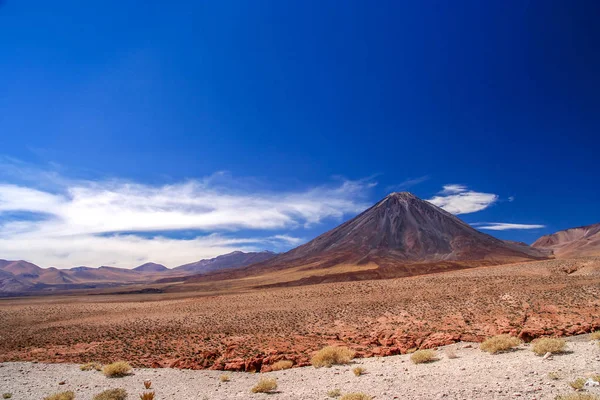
(115, 222)
(407, 183)
(504, 226)
(458, 199)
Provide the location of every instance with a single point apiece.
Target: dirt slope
(575, 242)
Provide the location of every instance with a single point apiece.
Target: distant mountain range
(401, 235)
(574, 242)
(231, 260)
(22, 276)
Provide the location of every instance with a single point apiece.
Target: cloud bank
(124, 224)
(503, 226)
(458, 199)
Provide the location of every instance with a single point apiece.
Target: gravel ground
(473, 374)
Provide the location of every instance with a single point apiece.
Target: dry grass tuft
(358, 371)
(225, 378)
(577, 384)
(554, 375)
(117, 369)
(112, 394)
(499, 344)
(7, 395)
(450, 352)
(265, 385)
(423, 356)
(595, 335)
(61, 396)
(577, 396)
(147, 384)
(283, 364)
(91, 366)
(331, 355)
(334, 393)
(542, 346)
(147, 396)
(356, 396)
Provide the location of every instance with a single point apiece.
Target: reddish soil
(253, 328)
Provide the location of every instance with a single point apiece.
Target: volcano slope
(251, 329)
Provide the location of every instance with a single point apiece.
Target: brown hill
(20, 268)
(575, 242)
(235, 259)
(151, 267)
(401, 235)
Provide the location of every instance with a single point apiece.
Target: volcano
(401, 235)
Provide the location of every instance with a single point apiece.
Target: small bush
(283, 364)
(554, 375)
(355, 396)
(358, 371)
(450, 352)
(61, 396)
(7, 395)
(577, 384)
(331, 355)
(91, 366)
(577, 396)
(147, 396)
(112, 394)
(423, 356)
(542, 346)
(265, 385)
(499, 344)
(117, 369)
(334, 393)
(147, 384)
(595, 335)
(225, 378)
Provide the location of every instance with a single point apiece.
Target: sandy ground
(473, 374)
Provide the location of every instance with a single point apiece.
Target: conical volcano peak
(399, 198)
(401, 195)
(399, 230)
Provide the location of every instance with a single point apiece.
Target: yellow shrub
(358, 371)
(334, 393)
(147, 396)
(595, 335)
(577, 384)
(499, 344)
(331, 355)
(423, 356)
(225, 378)
(116, 369)
(542, 346)
(355, 396)
(112, 394)
(91, 366)
(61, 396)
(578, 396)
(283, 364)
(265, 385)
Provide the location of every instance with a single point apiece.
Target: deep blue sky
(502, 97)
